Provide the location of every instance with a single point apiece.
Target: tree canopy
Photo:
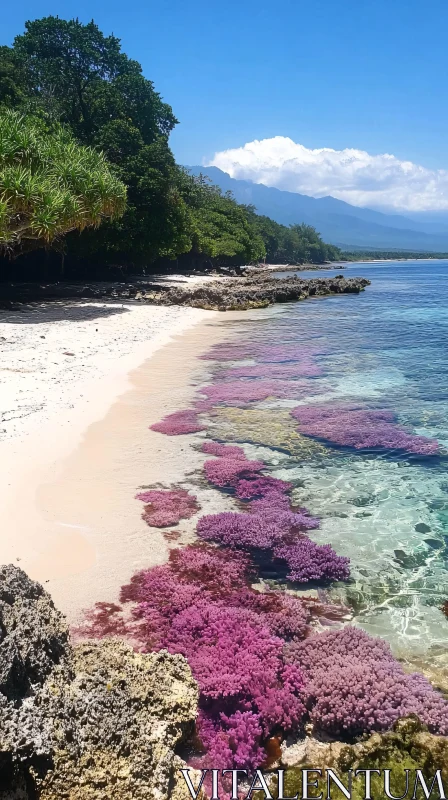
(69, 74)
(50, 184)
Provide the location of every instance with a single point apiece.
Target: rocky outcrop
(89, 722)
(254, 291)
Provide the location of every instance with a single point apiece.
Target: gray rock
(255, 291)
(85, 722)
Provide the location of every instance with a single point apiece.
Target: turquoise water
(386, 348)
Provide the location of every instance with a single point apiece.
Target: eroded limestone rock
(91, 722)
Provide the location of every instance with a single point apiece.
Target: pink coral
(167, 506)
(285, 615)
(230, 651)
(361, 428)
(179, 423)
(354, 685)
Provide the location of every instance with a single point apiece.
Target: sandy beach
(80, 385)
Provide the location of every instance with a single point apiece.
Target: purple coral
(227, 471)
(165, 507)
(281, 532)
(225, 351)
(259, 487)
(179, 423)
(275, 507)
(305, 368)
(245, 531)
(230, 651)
(272, 523)
(361, 428)
(308, 561)
(354, 685)
(231, 739)
(226, 450)
(249, 391)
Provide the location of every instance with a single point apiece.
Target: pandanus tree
(50, 184)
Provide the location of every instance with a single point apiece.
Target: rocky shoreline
(93, 720)
(254, 290)
(85, 721)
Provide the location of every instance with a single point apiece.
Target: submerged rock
(407, 746)
(422, 527)
(88, 722)
(272, 428)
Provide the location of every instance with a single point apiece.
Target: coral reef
(164, 507)
(407, 746)
(272, 428)
(354, 685)
(361, 428)
(308, 561)
(280, 531)
(272, 523)
(87, 722)
(305, 368)
(262, 351)
(217, 449)
(201, 605)
(180, 422)
(232, 393)
(259, 487)
(227, 471)
(246, 531)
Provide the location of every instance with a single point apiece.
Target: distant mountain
(338, 222)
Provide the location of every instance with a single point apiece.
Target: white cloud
(351, 175)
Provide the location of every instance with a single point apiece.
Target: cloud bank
(381, 181)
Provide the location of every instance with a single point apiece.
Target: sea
(385, 348)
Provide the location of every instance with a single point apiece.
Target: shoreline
(48, 454)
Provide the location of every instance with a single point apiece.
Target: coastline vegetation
(73, 81)
(388, 255)
(50, 184)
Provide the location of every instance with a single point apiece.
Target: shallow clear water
(385, 348)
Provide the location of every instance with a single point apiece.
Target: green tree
(107, 102)
(14, 87)
(92, 81)
(64, 72)
(50, 184)
(222, 231)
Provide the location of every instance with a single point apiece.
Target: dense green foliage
(387, 255)
(71, 74)
(50, 184)
(296, 244)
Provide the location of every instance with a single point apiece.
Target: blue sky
(365, 74)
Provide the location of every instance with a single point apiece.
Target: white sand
(75, 443)
(54, 354)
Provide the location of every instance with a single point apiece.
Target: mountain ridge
(338, 222)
